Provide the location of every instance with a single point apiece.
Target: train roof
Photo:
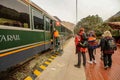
(40, 9)
(114, 25)
(68, 25)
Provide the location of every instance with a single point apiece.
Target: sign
(57, 23)
(9, 38)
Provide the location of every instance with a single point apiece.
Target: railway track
(25, 68)
(21, 71)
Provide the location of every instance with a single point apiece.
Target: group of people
(88, 42)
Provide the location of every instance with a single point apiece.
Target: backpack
(110, 44)
(93, 44)
(83, 43)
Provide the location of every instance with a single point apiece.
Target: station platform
(62, 67)
(97, 71)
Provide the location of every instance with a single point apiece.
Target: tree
(89, 23)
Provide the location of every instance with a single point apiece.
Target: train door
(52, 32)
(47, 33)
(51, 28)
(44, 31)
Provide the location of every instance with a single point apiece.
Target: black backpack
(110, 44)
(84, 41)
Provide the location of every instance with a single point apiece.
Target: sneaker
(105, 67)
(77, 66)
(94, 61)
(90, 62)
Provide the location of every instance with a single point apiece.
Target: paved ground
(62, 67)
(97, 72)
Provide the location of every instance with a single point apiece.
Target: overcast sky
(66, 9)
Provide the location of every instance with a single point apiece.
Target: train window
(51, 26)
(38, 20)
(47, 20)
(62, 29)
(14, 13)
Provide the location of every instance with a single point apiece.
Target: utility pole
(76, 16)
(76, 11)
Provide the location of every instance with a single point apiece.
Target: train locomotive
(25, 30)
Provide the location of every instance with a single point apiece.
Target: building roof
(114, 25)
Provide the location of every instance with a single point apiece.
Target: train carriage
(25, 30)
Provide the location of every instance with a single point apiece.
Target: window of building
(62, 29)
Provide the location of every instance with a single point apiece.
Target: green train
(25, 30)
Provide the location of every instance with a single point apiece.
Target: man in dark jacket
(100, 45)
(80, 38)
